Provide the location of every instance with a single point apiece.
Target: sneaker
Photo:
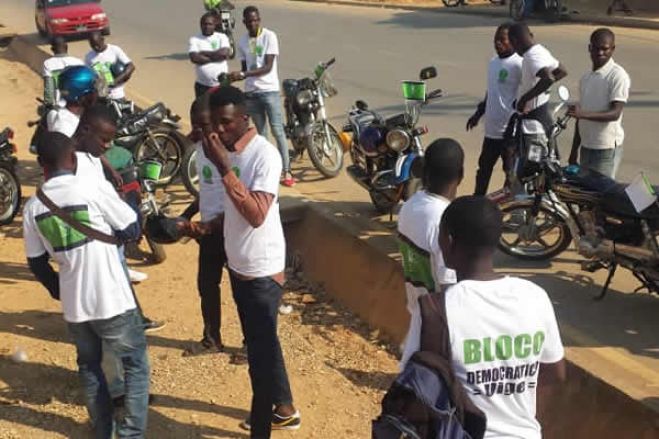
(137, 276)
(152, 325)
(288, 181)
(292, 422)
(203, 347)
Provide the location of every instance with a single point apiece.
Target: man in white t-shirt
(209, 232)
(419, 218)
(504, 74)
(598, 137)
(504, 338)
(540, 70)
(53, 66)
(92, 284)
(259, 51)
(256, 251)
(111, 63)
(77, 85)
(208, 51)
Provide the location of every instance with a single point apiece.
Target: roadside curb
(491, 11)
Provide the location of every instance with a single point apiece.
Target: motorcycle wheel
(328, 159)
(189, 171)
(157, 254)
(164, 146)
(451, 3)
(517, 9)
(525, 236)
(10, 195)
(552, 10)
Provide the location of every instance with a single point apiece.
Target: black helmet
(162, 229)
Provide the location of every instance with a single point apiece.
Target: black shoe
(152, 325)
(292, 422)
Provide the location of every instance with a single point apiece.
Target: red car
(70, 17)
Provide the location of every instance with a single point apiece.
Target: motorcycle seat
(591, 181)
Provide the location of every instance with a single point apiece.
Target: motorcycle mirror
(428, 73)
(361, 105)
(564, 93)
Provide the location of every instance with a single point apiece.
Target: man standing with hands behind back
(208, 51)
(598, 136)
(256, 252)
(258, 51)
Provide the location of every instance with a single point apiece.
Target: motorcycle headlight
(398, 140)
(304, 97)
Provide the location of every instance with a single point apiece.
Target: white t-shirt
(211, 188)
(261, 251)
(253, 52)
(500, 332)
(102, 62)
(503, 78)
(54, 65)
(535, 59)
(597, 89)
(89, 167)
(207, 73)
(62, 121)
(418, 232)
(93, 282)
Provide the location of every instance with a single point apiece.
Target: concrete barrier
(358, 270)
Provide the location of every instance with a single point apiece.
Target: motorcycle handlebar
(330, 62)
(434, 94)
(32, 123)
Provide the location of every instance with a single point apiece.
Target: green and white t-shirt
(102, 63)
(93, 282)
(500, 332)
(418, 234)
(503, 79)
(207, 73)
(211, 188)
(253, 52)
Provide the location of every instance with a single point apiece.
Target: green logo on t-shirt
(207, 174)
(215, 44)
(502, 348)
(503, 75)
(236, 170)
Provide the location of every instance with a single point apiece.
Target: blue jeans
(124, 336)
(258, 304)
(604, 161)
(268, 104)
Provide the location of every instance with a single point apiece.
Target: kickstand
(609, 278)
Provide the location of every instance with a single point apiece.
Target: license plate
(225, 15)
(81, 27)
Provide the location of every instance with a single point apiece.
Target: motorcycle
(226, 23)
(552, 10)
(10, 186)
(306, 120)
(139, 190)
(152, 134)
(384, 150)
(560, 205)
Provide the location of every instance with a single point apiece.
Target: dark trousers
(200, 89)
(258, 303)
(211, 260)
(491, 151)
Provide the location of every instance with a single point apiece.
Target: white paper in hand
(640, 193)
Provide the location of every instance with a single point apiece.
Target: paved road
(374, 50)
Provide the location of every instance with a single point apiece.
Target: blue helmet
(77, 81)
(371, 137)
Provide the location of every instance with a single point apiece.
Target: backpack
(426, 401)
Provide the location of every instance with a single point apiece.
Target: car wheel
(106, 31)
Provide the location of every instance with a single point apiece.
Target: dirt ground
(338, 371)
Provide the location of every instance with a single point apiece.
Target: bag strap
(77, 225)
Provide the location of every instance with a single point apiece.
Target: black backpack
(426, 401)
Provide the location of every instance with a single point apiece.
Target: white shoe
(137, 276)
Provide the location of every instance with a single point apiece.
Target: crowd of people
(495, 322)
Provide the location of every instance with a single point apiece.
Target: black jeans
(211, 260)
(490, 153)
(200, 89)
(258, 303)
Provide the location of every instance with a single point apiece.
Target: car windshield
(69, 2)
